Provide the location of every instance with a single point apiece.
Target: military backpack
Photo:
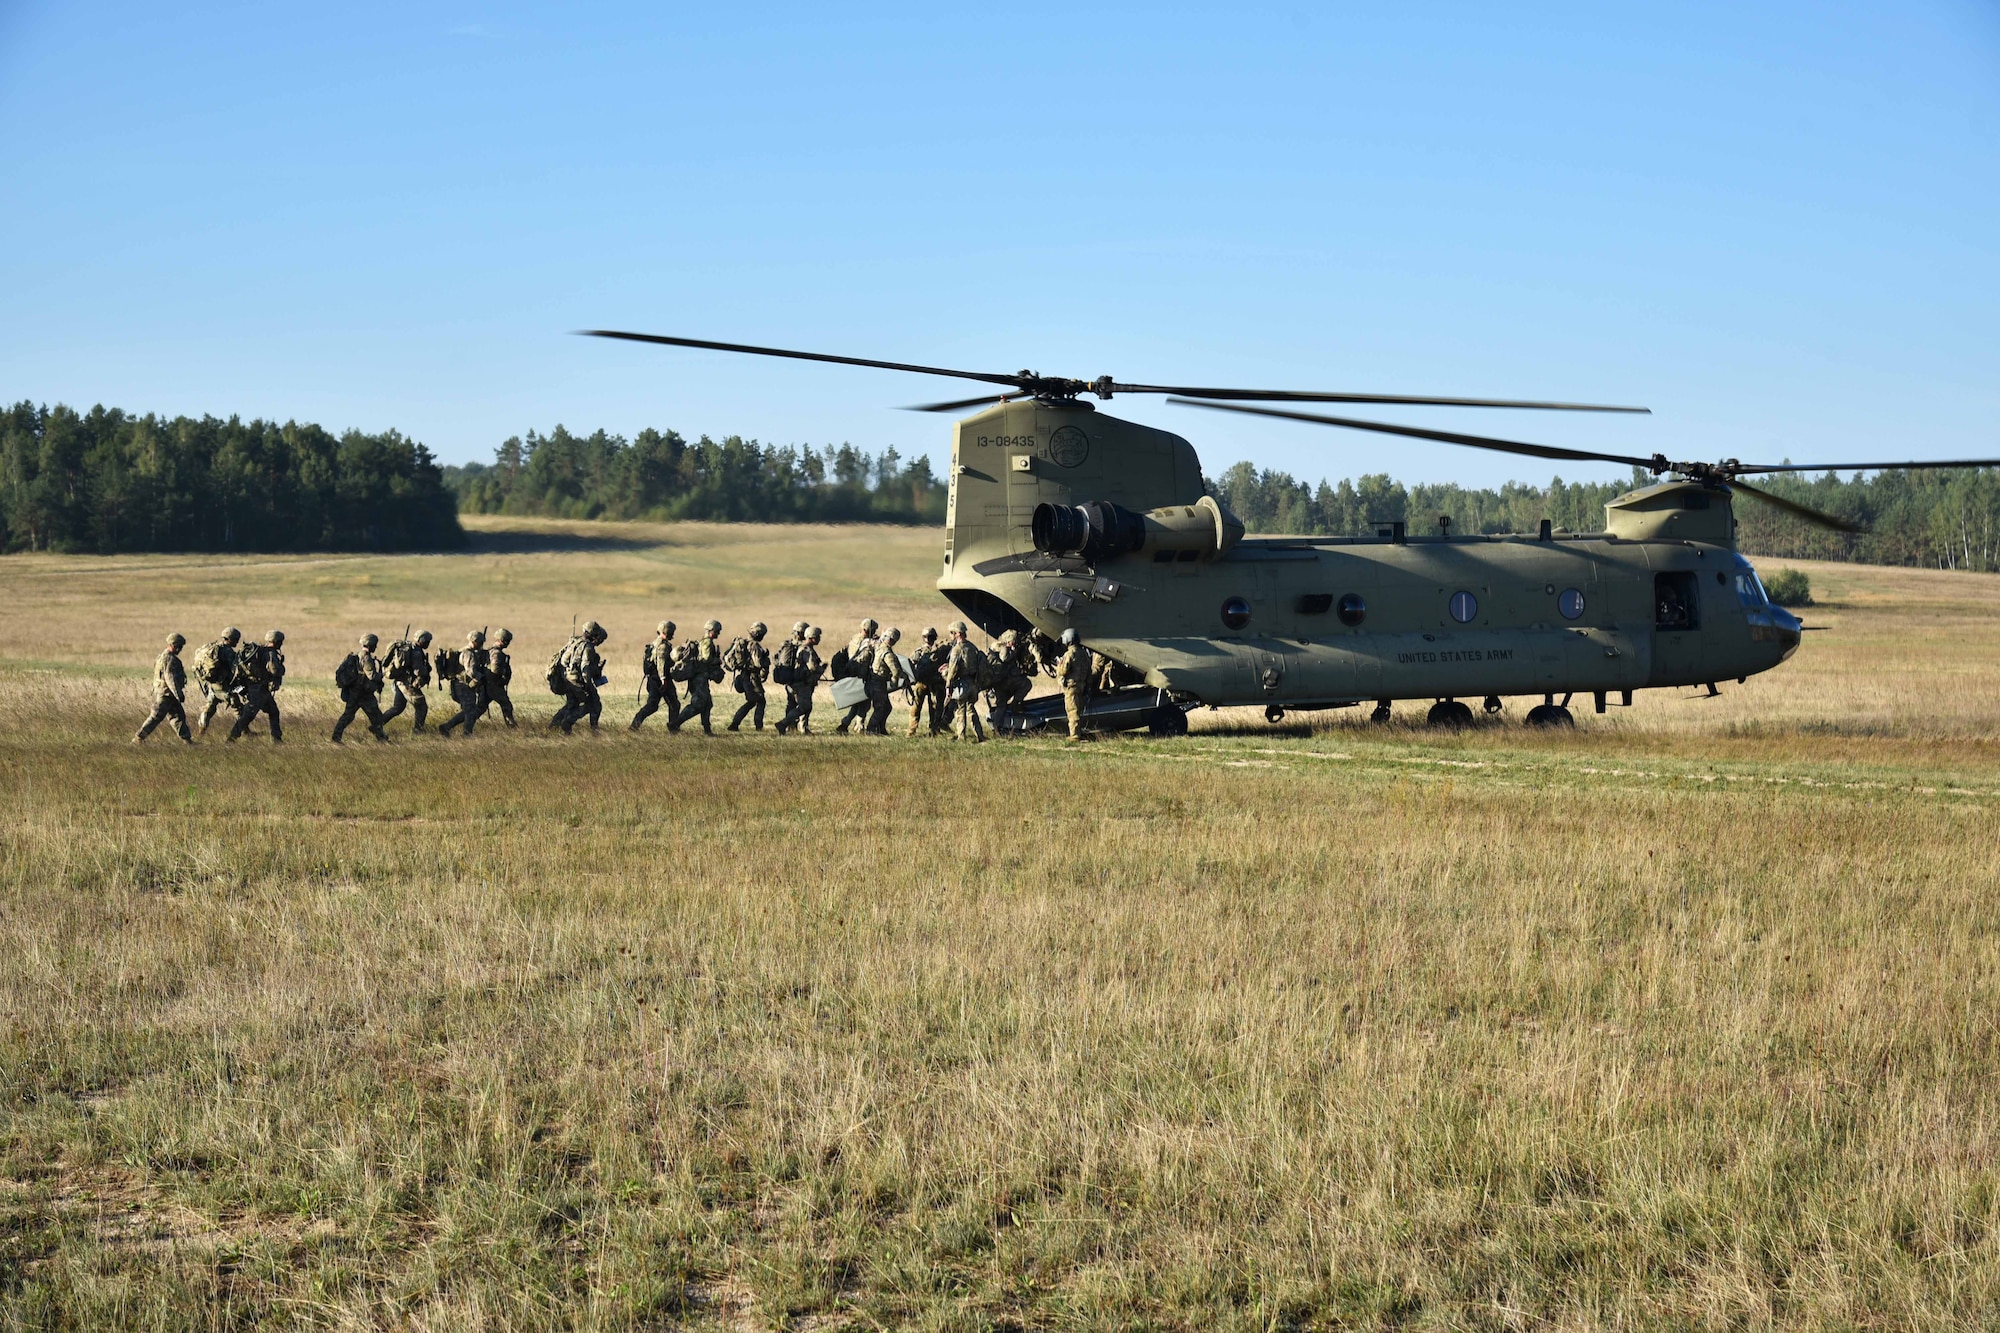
(208, 663)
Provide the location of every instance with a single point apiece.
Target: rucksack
(448, 664)
(558, 678)
(208, 663)
(839, 667)
(781, 664)
(348, 674)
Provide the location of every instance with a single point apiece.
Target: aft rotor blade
(1797, 510)
(957, 403)
(1737, 468)
(665, 340)
(1654, 464)
(1392, 399)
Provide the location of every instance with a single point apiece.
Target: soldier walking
(801, 679)
(215, 672)
(656, 677)
(466, 679)
(927, 683)
(359, 679)
(408, 667)
(499, 675)
(700, 667)
(169, 692)
(860, 658)
(1074, 670)
(749, 663)
(579, 670)
(962, 672)
(260, 675)
(889, 677)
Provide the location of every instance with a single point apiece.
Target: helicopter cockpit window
(1674, 605)
(1749, 591)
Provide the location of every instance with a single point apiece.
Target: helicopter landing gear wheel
(1449, 714)
(1167, 720)
(1273, 714)
(1492, 704)
(1381, 713)
(1550, 715)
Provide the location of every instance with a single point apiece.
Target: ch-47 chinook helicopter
(1061, 516)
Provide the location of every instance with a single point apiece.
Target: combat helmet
(1068, 639)
(930, 634)
(893, 635)
(423, 639)
(276, 638)
(504, 636)
(801, 628)
(368, 641)
(757, 631)
(812, 633)
(177, 641)
(869, 626)
(667, 627)
(960, 627)
(593, 631)
(712, 627)
(231, 635)
(475, 638)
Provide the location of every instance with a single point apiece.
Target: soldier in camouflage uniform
(359, 679)
(215, 672)
(861, 662)
(1013, 657)
(749, 663)
(169, 692)
(407, 667)
(889, 677)
(499, 675)
(927, 683)
(1074, 671)
(805, 668)
(467, 682)
(260, 673)
(582, 671)
(656, 677)
(962, 672)
(700, 667)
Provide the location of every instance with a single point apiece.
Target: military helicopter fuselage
(1061, 516)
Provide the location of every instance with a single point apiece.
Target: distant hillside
(108, 482)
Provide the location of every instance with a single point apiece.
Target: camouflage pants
(411, 697)
(1073, 701)
(926, 698)
(965, 712)
(166, 708)
(798, 709)
(360, 701)
(253, 701)
(879, 703)
(209, 709)
(657, 691)
(579, 703)
(496, 696)
(753, 705)
(471, 701)
(699, 704)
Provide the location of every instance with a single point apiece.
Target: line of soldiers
(941, 680)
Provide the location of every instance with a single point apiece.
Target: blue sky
(1776, 225)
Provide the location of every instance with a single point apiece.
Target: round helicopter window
(1570, 603)
(1464, 606)
(1353, 610)
(1236, 613)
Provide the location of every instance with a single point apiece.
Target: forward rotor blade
(1737, 469)
(1393, 399)
(957, 403)
(1797, 510)
(664, 340)
(1654, 464)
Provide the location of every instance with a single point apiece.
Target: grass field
(1684, 1019)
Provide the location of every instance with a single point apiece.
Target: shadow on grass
(533, 543)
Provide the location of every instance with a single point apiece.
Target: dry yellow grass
(1685, 1019)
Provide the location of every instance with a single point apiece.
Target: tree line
(658, 475)
(107, 481)
(1946, 519)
